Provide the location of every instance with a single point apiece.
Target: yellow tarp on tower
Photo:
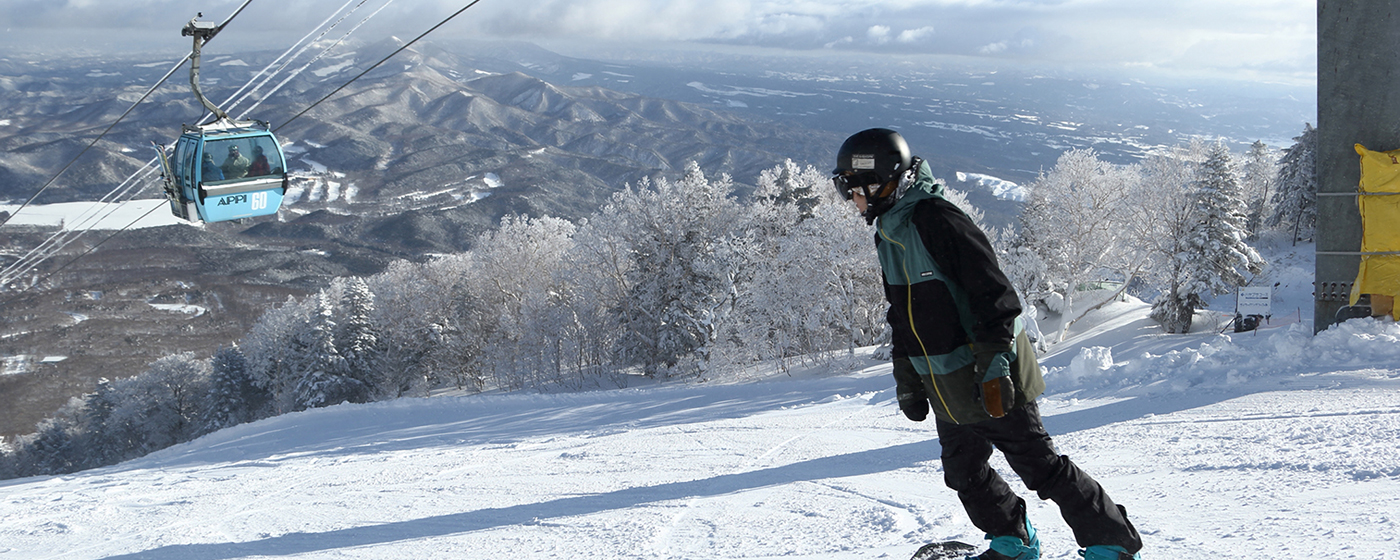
(1379, 201)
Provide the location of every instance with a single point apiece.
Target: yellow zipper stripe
(909, 312)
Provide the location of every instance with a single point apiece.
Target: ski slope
(1275, 444)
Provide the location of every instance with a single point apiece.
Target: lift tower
(1358, 102)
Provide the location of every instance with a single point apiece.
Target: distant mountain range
(415, 138)
(421, 155)
(562, 133)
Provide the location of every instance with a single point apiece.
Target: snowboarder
(958, 348)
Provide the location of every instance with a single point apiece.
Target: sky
(1256, 39)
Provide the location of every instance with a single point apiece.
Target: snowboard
(950, 550)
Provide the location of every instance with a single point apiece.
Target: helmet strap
(876, 205)
(881, 200)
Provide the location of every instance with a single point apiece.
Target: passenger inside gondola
(208, 171)
(235, 166)
(267, 148)
(259, 166)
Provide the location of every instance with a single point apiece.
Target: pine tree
(356, 339)
(789, 185)
(1215, 253)
(101, 448)
(320, 370)
(233, 398)
(1257, 179)
(51, 449)
(1295, 200)
(1165, 216)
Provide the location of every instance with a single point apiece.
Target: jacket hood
(922, 187)
(923, 180)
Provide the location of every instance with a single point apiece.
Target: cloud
(839, 42)
(1207, 34)
(915, 35)
(1277, 33)
(994, 48)
(878, 34)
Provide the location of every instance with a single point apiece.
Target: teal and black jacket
(948, 299)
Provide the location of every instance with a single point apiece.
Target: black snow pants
(1022, 438)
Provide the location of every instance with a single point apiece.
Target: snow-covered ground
(187, 309)
(1267, 444)
(1000, 188)
(95, 215)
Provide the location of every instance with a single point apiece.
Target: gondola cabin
(226, 171)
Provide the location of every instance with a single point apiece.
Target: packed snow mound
(1225, 360)
(1001, 188)
(1091, 362)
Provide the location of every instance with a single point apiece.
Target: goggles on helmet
(845, 184)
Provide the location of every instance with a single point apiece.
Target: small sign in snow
(1254, 301)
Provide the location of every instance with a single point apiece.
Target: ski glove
(995, 390)
(909, 389)
(992, 364)
(997, 396)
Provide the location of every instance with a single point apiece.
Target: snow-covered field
(135, 214)
(1274, 444)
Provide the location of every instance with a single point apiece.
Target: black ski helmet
(873, 161)
(880, 150)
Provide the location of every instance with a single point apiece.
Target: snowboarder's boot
(1108, 552)
(950, 550)
(1013, 547)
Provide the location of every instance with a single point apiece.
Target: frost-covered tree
(53, 448)
(1295, 197)
(1166, 214)
(518, 279)
(1213, 255)
(1023, 265)
(959, 199)
(356, 338)
(233, 398)
(1077, 223)
(120, 420)
(813, 281)
(99, 447)
(1222, 255)
(75, 437)
(789, 185)
(431, 326)
(1257, 177)
(270, 347)
(7, 454)
(161, 406)
(323, 379)
(672, 256)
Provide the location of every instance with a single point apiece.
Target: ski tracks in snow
(675, 539)
(816, 469)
